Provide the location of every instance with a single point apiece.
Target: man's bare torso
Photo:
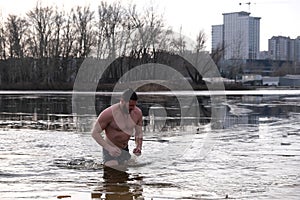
(121, 126)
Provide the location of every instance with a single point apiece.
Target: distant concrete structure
(263, 67)
(290, 80)
(270, 81)
(219, 79)
(252, 79)
(263, 55)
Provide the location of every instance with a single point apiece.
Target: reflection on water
(118, 185)
(253, 154)
(58, 112)
(161, 112)
(164, 113)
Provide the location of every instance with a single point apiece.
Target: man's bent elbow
(96, 130)
(94, 133)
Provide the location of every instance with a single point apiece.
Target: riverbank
(143, 86)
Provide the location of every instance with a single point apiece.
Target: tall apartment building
(241, 34)
(297, 49)
(279, 48)
(217, 37)
(284, 48)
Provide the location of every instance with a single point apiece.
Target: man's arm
(96, 134)
(101, 123)
(139, 136)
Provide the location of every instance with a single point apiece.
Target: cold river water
(255, 154)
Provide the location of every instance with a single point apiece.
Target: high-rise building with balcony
(241, 35)
(284, 48)
(278, 47)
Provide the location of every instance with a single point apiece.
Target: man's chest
(123, 122)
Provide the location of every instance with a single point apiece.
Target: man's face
(129, 106)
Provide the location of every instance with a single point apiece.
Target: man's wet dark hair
(129, 94)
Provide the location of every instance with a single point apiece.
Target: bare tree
(39, 41)
(218, 53)
(100, 53)
(285, 68)
(127, 30)
(68, 37)
(150, 30)
(178, 44)
(55, 40)
(16, 28)
(200, 41)
(110, 23)
(41, 19)
(122, 30)
(2, 42)
(83, 22)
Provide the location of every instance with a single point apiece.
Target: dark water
(253, 154)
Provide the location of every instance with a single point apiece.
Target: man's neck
(123, 109)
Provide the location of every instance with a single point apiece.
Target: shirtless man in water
(119, 121)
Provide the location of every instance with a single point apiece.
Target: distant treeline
(48, 44)
(52, 73)
(37, 74)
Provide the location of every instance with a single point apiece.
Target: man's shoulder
(138, 110)
(111, 108)
(107, 111)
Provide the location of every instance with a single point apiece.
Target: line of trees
(48, 44)
(49, 32)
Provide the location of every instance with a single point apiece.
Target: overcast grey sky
(278, 17)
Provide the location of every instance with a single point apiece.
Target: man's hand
(137, 151)
(114, 151)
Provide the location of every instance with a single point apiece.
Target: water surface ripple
(242, 161)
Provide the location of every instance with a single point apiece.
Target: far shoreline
(142, 86)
